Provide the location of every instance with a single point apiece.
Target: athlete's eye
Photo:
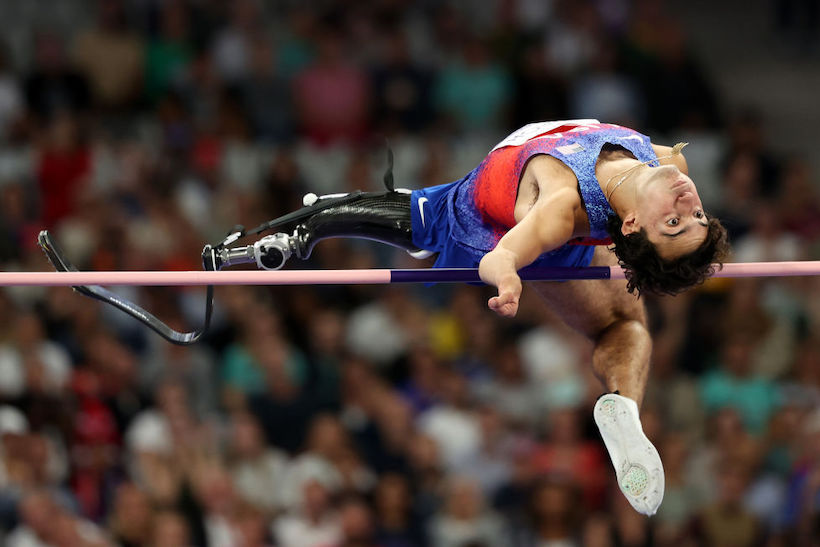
(699, 214)
(672, 222)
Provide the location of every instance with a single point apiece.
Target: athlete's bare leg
(616, 323)
(613, 319)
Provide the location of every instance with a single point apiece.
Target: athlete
(569, 193)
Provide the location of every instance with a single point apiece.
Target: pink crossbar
(340, 277)
(240, 277)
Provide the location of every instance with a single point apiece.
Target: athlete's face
(669, 209)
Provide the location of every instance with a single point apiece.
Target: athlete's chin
(666, 175)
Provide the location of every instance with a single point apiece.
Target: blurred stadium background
(138, 130)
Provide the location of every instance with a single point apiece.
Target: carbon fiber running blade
(61, 264)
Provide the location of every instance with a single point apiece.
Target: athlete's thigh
(590, 306)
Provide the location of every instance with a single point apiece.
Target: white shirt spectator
(261, 481)
(23, 536)
(784, 247)
(456, 432)
(220, 533)
(12, 374)
(305, 468)
(149, 432)
(230, 55)
(298, 531)
(54, 359)
(373, 334)
(552, 367)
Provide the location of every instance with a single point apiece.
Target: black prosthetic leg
(377, 216)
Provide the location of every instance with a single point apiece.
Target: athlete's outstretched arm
(548, 225)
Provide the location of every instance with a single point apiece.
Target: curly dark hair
(647, 272)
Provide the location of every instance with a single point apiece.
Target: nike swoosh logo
(421, 209)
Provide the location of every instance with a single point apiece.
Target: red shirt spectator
(568, 454)
(332, 96)
(62, 168)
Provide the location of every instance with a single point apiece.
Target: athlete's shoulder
(678, 160)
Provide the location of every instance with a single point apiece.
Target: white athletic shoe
(637, 463)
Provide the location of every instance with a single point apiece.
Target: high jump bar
(366, 277)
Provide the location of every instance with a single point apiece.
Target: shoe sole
(639, 469)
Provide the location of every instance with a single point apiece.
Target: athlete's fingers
(507, 310)
(502, 299)
(505, 304)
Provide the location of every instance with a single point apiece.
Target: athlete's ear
(630, 225)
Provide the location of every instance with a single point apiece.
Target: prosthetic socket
(377, 216)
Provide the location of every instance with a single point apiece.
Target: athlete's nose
(686, 198)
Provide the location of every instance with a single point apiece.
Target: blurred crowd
(138, 130)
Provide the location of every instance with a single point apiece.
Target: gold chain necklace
(626, 172)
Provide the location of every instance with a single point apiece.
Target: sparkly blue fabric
(580, 151)
(456, 228)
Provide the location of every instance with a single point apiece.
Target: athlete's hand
(509, 293)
